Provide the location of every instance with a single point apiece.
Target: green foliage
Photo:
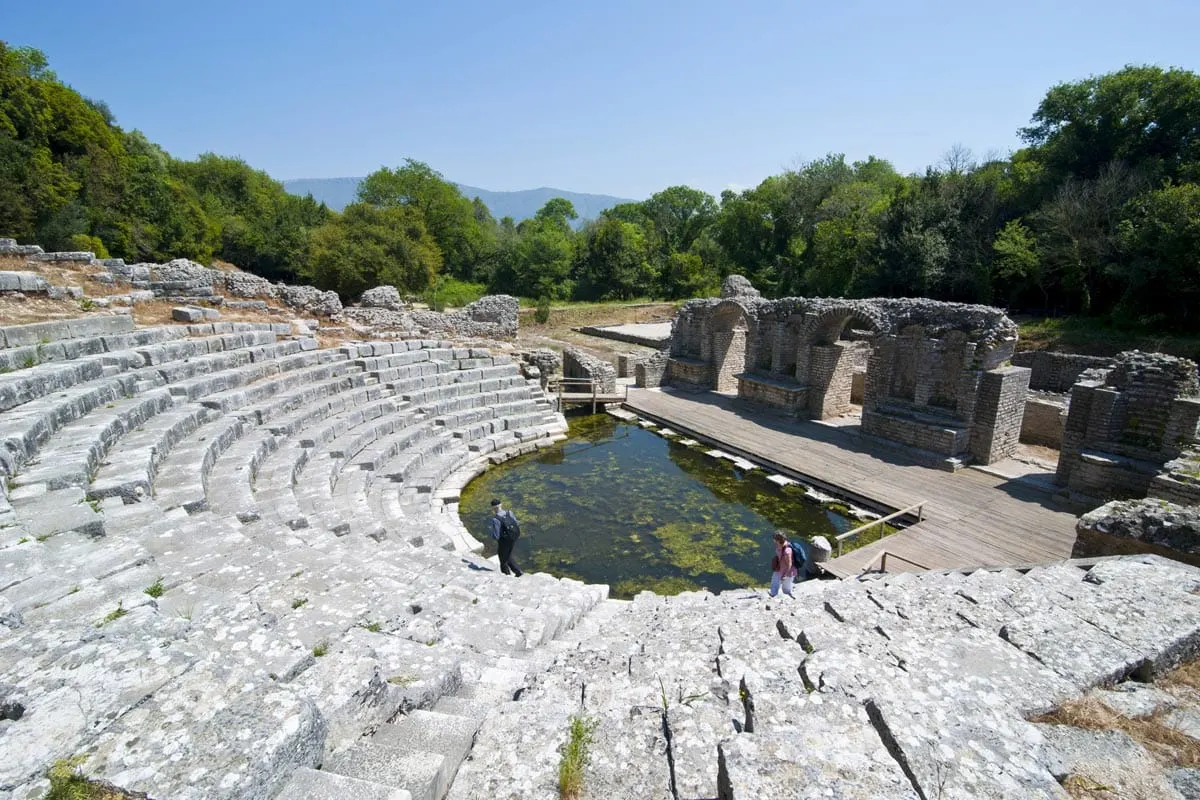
(541, 314)
(366, 246)
(1096, 215)
(115, 614)
(67, 782)
(298, 602)
(156, 589)
(321, 649)
(83, 242)
(575, 757)
(453, 293)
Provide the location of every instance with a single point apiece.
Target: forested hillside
(1099, 214)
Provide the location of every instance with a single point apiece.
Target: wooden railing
(591, 392)
(918, 507)
(884, 557)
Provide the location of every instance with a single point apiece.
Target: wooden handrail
(883, 561)
(920, 509)
(559, 382)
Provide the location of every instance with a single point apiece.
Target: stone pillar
(928, 353)
(1181, 432)
(831, 374)
(1075, 431)
(998, 411)
(879, 372)
(729, 359)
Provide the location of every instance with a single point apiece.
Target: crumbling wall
(1125, 423)
(600, 374)
(1057, 372)
(917, 366)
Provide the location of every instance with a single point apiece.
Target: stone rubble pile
(491, 317)
(382, 297)
(1150, 520)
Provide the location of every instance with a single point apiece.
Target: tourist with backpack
(504, 529)
(783, 565)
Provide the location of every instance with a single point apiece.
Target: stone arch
(828, 326)
(830, 366)
(732, 333)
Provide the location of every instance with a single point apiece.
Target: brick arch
(829, 324)
(733, 334)
(828, 370)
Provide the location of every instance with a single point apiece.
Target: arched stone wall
(933, 375)
(827, 364)
(731, 335)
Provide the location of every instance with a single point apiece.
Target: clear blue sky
(620, 97)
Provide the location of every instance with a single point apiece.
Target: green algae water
(621, 505)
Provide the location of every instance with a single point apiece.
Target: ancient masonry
(231, 567)
(934, 376)
(597, 372)
(1125, 424)
(1051, 378)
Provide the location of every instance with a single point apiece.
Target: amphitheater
(231, 567)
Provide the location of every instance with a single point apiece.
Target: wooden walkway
(971, 518)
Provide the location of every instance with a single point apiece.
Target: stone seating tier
(188, 476)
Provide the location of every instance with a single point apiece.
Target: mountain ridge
(337, 193)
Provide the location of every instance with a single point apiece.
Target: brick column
(998, 412)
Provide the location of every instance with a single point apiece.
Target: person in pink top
(783, 570)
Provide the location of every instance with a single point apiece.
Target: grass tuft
(320, 650)
(115, 614)
(575, 757)
(67, 782)
(299, 601)
(156, 589)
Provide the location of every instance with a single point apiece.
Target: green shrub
(452, 292)
(542, 315)
(81, 241)
(68, 783)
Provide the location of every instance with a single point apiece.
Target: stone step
(431, 732)
(312, 784)
(421, 774)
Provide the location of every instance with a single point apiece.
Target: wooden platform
(971, 518)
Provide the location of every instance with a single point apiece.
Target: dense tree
(615, 262)
(366, 246)
(1160, 271)
(1096, 215)
(1145, 117)
(451, 218)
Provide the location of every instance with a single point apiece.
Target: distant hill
(337, 193)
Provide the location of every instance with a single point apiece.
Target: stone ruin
(1051, 377)
(599, 374)
(491, 317)
(181, 280)
(930, 375)
(1125, 424)
(231, 567)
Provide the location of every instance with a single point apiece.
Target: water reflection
(619, 505)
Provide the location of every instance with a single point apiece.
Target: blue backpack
(799, 558)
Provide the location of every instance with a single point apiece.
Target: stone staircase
(220, 569)
(907, 686)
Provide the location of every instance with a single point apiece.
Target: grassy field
(1098, 338)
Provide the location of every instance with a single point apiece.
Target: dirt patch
(557, 333)
(1167, 745)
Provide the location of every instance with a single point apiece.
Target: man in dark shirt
(504, 529)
